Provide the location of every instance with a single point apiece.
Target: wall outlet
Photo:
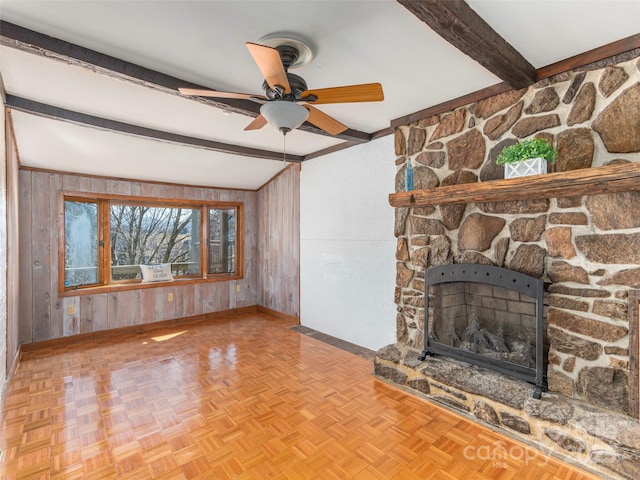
(170, 297)
(71, 309)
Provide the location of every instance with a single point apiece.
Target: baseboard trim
(84, 337)
(282, 316)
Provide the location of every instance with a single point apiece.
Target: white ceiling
(357, 41)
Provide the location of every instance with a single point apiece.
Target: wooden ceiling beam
(57, 113)
(458, 24)
(43, 45)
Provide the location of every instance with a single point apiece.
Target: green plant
(532, 148)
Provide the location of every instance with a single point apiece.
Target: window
(143, 235)
(81, 243)
(222, 240)
(107, 239)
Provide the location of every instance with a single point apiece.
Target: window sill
(121, 287)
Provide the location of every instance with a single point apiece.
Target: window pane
(222, 240)
(142, 235)
(80, 243)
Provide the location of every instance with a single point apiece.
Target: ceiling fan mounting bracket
(294, 50)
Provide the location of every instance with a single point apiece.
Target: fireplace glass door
(488, 316)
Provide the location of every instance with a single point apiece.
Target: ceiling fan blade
(270, 64)
(217, 94)
(367, 92)
(324, 121)
(257, 123)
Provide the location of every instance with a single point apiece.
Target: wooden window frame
(104, 201)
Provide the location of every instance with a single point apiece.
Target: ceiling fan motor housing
(297, 84)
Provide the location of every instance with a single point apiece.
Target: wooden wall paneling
(215, 195)
(117, 187)
(233, 293)
(286, 295)
(279, 261)
(12, 250)
(86, 313)
(248, 285)
(135, 315)
(273, 240)
(159, 304)
(178, 298)
(217, 297)
(157, 190)
(147, 189)
(57, 315)
(71, 183)
(179, 192)
(278, 256)
(206, 297)
(112, 310)
(135, 189)
(25, 331)
(197, 299)
(128, 311)
(99, 312)
(200, 193)
(5, 362)
(169, 303)
(148, 306)
(197, 193)
(98, 185)
(71, 313)
(224, 195)
(84, 183)
(40, 239)
(96, 312)
(295, 245)
(188, 304)
(5, 357)
(222, 296)
(277, 247)
(263, 234)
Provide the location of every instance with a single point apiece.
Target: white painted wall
(347, 246)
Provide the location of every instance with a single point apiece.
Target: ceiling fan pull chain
(284, 149)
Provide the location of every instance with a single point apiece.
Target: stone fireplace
(487, 316)
(585, 248)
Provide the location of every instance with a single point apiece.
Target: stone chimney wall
(587, 248)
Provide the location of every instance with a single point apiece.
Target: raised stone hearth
(585, 248)
(602, 440)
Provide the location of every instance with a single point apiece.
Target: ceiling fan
(287, 102)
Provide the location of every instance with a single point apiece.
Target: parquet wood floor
(239, 398)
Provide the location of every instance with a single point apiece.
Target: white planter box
(533, 166)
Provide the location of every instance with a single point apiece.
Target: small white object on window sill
(156, 273)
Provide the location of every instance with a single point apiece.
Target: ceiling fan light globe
(284, 115)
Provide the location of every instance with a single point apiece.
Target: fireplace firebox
(488, 316)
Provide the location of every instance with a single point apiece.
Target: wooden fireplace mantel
(588, 181)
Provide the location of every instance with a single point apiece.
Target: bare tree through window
(152, 235)
(107, 240)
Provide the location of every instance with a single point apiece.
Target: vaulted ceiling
(92, 86)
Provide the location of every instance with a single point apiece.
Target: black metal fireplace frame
(501, 277)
